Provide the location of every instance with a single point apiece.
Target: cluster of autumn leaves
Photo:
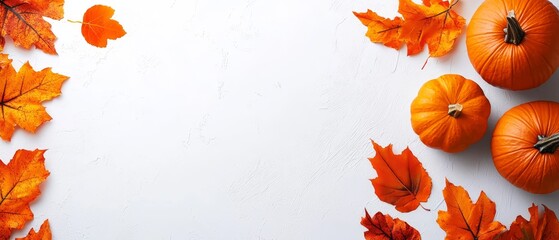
(22, 94)
(401, 179)
(403, 182)
(433, 23)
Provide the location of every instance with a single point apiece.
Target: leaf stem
(74, 21)
(424, 208)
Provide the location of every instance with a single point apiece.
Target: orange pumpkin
(524, 146)
(450, 113)
(514, 44)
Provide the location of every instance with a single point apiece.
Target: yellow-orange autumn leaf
(43, 234)
(384, 227)
(382, 30)
(98, 27)
(22, 20)
(21, 95)
(402, 181)
(466, 220)
(19, 185)
(433, 23)
(538, 228)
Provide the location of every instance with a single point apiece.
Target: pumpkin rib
(425, 126)
(529, 164)
(549, 127)
(529, 63)
(515, 137)
(468, 92)
(457, 145)
(537, 29)
(444, 88)
(512, 61)
(532, 19)
(471, 134)
(524, 122)
(473, 102)
(491, 57)
(536, 118)
(547, 163)
(514, 153)
(515, 172)
(435, 126)
(505, 6)
(541, 58)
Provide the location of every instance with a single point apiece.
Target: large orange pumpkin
(524, 146)
(514, 44)
(450, 113)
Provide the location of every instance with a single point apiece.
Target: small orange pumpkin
(524, 146)
(514, 44)
(450, 113)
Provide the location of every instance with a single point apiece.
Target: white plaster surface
(243, 119)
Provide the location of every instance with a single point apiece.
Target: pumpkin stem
(513, 33)
(454, 110)
(547, 144)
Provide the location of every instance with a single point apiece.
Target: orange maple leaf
(383, 227)
(402, 181)
(382, 30)
(22, 94)
(434, 23)
(538, 228)
(98, 27)
(22, 20)
(43, 234)
(19, 185)
(465, 220)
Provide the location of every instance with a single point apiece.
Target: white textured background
(243, 119)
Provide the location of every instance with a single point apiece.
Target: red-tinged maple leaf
(433, 23)
(19, 185)
(544, 227)
(98, 27)
(43, 234)
(21, 95)
(384, 227)
(22, 20)
(466, 220)
(402, 181)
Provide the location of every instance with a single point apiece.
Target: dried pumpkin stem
(454, 110)
(513, 33)
(547, 144)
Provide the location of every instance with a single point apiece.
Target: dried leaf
(19, 185)
(22, 94)
(465, 220)
(98, 27)
(402, 181)
(22, 20)
(383, 227)
(433, 23)
(43, 234)
(538, 228)
(382, 30)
